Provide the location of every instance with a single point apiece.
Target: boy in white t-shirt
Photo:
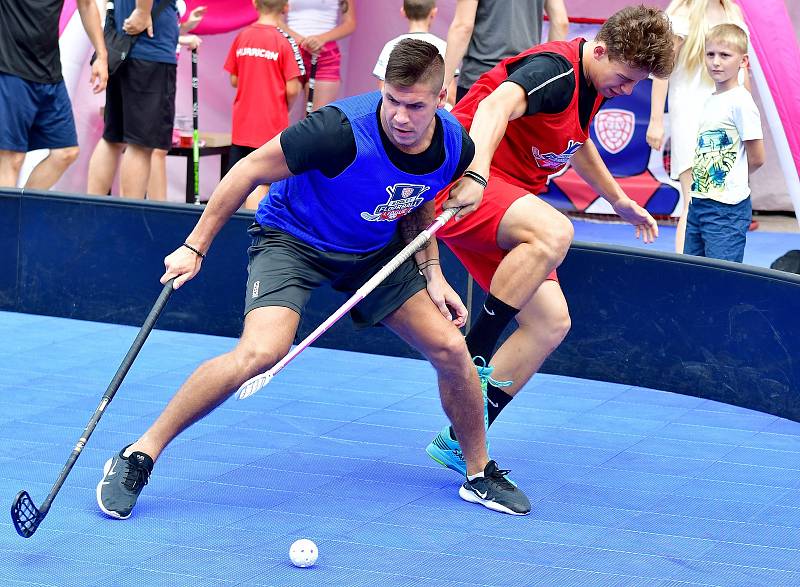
(729, 148)
(420, 15)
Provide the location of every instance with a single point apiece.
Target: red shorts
(328, 63)
(474, 238)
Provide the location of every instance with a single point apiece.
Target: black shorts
(237, 153)
(140, 104)
(283, 271)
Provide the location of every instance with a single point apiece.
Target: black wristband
(425, 264)
(476, 177)
(194, 250)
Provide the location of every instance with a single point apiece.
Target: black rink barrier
(701, 327)
(100, 259)
(710, 329)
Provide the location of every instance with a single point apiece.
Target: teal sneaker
(444, 449)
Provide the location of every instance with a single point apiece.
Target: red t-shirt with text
(263, 60)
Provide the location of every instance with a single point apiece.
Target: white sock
(475, 476)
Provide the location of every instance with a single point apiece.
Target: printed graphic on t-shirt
(714, 158)
(257, 52)
(403, 198)
(555, 160)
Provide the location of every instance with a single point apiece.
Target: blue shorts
(34, 115)
(717, 230)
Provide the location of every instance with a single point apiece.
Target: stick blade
(252, 385)
(25, 515)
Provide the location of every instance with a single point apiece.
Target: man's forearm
(412, 225)
(459, 35)
(90, 18)
(487, 130)
(590, 166)
(226, 199)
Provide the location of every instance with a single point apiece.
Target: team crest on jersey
(555, 160)
(403, 198)
(614, 128)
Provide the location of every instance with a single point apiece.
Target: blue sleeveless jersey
(356, 211)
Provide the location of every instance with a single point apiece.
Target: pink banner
(774, 40)
(223, 16)
(66, 13)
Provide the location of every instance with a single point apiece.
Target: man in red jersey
(529, 116)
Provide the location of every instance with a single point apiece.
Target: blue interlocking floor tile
(630, 487)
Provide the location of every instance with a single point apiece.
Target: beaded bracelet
(194, 250)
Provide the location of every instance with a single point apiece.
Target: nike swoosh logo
(113, 470)
(479, 494)
(493, 403)
(487, 310)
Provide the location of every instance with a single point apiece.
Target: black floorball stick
(195, 130)
(312, 81)
(24, 513)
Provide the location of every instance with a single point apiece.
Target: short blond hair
(730, 35)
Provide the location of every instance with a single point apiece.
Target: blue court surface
(630, 486)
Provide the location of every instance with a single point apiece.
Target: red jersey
(536, 146)
(263, 60)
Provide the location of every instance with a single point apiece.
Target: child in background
(687, 90)
(265, 67)
(420, 15)
(729, 148)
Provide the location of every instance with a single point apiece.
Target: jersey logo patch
(555, 160)
(403, 198)
(614, 128)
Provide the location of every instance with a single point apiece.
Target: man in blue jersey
(350, 185)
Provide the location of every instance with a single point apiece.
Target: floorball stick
(195, 130)
(253, 384)
(24, 513)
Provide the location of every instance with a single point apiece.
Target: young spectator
(35, 110)
(687, 89)
(140, 99)
(484, 32)
(317, 25)
(264, 63)
(420, 15)
(729, 148)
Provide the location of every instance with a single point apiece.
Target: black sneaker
(122, 482)
(496, 492)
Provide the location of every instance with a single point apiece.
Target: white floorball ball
(303, 553)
